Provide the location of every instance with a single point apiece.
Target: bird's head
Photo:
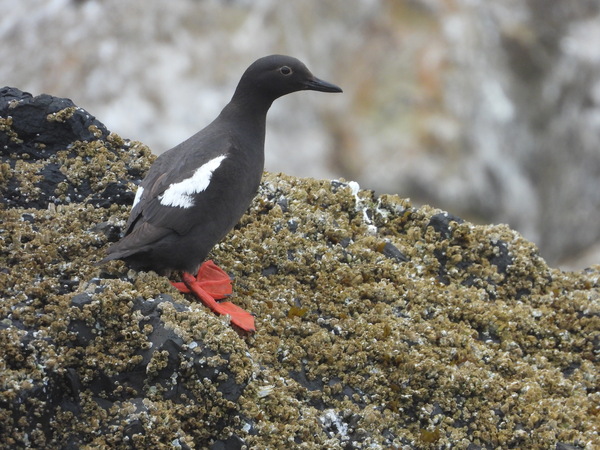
(277, 75)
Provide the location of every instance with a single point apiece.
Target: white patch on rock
(182, 194)
(138, 196)
(265, 391)
(354, 187)
(334, 423)
(360, 206)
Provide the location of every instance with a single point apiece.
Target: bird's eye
(285, 70)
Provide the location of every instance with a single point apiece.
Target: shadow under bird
(195, 193)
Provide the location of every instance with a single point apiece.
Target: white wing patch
(182, 194)
(138, 196)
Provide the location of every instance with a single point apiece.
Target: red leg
(213, 283)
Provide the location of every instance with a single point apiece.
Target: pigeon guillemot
(195, 193)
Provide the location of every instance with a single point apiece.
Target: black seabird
(195, 193)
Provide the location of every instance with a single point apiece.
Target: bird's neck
(248, 114)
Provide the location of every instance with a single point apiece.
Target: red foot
(213, 283)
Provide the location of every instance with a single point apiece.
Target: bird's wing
(170, 193)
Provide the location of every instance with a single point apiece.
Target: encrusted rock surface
(379, 324)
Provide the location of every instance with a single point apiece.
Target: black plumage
(196, 192)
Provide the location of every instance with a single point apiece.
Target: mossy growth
(379, 324)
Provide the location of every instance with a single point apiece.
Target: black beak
(315, 84)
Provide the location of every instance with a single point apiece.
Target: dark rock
(563, 446)
(114, 193)
(391, 251)
(231, 443)
(80, 300)
(501, 256)
(441, 223)
(111, 231)
(271, 270)
(48, 136)
(292, 225)
(39, 126)
(28, 218)
(335, 185)
(345, 242)
(283, 204)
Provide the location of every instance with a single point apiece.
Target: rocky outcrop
(379, 324)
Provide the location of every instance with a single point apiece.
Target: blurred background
(489, 110)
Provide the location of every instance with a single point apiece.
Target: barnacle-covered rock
(54, 152)
(379, 324)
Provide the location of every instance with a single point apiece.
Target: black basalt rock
(43, 124)
(46, 157)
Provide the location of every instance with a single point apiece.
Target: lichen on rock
(379, 324)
